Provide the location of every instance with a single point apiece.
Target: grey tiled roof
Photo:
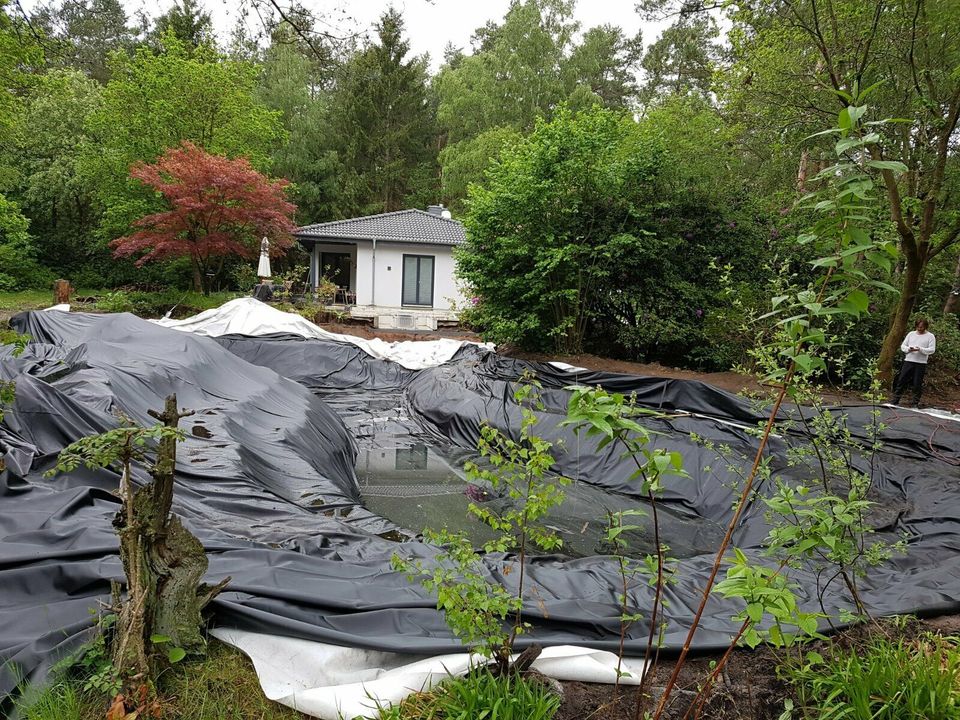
(410, 226)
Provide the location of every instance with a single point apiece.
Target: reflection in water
(422, 486)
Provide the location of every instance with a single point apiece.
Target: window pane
(409, 280)
(425, 296)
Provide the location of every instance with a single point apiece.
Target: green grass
(146, 304)
(155, 304)
(222, 686)
(476, 696)
(884, 679)
(63, 701)
(25, 300)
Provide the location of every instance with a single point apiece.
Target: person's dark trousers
(911, 374)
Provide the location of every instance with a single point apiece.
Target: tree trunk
(802, 171)
(197, 279)
(164, 564)
(952, 304)
(912, 272)
(61, 292)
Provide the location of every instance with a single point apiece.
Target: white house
(396, 268)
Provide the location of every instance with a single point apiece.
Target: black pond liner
(289, 435)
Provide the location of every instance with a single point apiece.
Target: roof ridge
(328, 223)
(430, 214)
(410, 225)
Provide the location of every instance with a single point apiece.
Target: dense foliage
(632, 196)
(217, 208)
(588, 235)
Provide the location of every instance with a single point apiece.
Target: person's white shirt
(925, 344)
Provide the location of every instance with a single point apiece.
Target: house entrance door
(336, 268)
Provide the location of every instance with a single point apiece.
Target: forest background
(631, 198)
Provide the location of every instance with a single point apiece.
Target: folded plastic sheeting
(247, 316)
(334, 682)
(290, 433)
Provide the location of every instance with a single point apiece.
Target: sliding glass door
(418, 280)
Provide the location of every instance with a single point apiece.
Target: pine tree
(385, 123)
(85, 32)
(189, 22)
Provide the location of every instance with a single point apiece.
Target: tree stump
(61, 292)
(164, 564)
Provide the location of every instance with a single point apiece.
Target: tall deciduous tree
(520, 70)
(18, 55)
(297, 79)
(53, 193)
(797, 64)
(156, 101)
(218, 207)
(296, 29)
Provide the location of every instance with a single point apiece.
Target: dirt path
(750, 688)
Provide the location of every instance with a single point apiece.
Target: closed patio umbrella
(263, 269)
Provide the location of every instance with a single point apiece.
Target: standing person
(919, 345)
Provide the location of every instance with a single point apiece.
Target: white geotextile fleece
(248, 316)
(332, 682)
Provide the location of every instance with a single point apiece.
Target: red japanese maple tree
(218, 207)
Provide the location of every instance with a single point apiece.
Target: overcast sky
(430, 23)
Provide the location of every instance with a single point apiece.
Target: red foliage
(218, 207)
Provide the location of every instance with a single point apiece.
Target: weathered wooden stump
(61, 292)
(164, 564)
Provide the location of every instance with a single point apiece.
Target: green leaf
(847, 144)
(814, 658)
(843, 119)
(176, 654)
(880, 259)
(893, 165)
(858, 299)
(855, 113)
(828, 262)
(803, 361)
(160, 639)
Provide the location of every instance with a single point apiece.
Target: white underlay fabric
(334, 683)
(248, 316)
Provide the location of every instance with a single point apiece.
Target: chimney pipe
(439, 211)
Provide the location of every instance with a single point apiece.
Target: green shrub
(945, 363)
(479, 695)
(115, 302)
(21, 271)
(243, 276)
(883, 680)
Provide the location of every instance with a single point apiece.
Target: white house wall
(364, 287)
(389, 274)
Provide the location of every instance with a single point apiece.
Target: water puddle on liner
(424, 486)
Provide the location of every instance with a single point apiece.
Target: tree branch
(948, 241)
(866, 51)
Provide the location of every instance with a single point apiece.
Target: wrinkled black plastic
(266, 478)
